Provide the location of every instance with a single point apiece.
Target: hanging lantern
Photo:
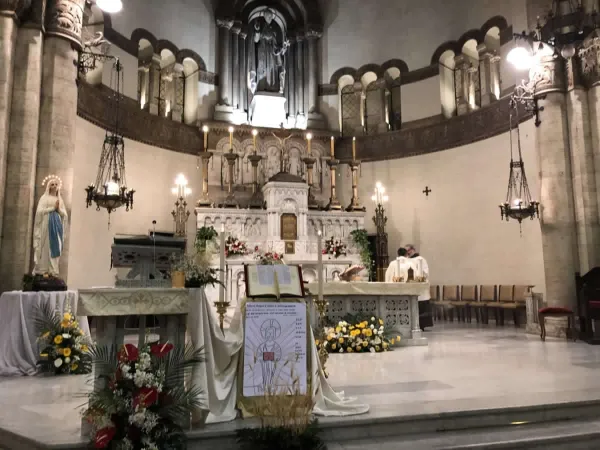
(110, 190)
(519, 204)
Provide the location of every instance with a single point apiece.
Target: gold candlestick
(231, 201)
(257, 200)
(310, 162)
(221, 311)
(205, 201)
(355, 202)
(334, 203)
(323, 354)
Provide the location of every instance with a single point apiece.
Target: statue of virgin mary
(49, 229)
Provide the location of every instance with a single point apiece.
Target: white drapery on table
(19, 351)
(218, 375)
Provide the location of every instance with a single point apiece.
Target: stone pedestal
(267, 110)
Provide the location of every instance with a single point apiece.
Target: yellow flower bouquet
(65, 347)
(358, 335)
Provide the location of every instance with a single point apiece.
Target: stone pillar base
(224, 113)
(316, 121)
(556, 327)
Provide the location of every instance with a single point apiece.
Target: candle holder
(256, 201)
(205, 201)
(323, 353)
(230, 200)
(180, 213)
(355, 202)
(334, 203)
(310, 163)
(221, 311)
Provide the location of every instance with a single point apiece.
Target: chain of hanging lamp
(519, 204)
(110, 188)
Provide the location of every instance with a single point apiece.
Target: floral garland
(335, 247)
(267, 258)
(65, 347)
(144, 405)
(233, 246)
(362, 337)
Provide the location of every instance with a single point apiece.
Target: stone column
(235, 65)
(225, 75)
(144, 86)
(315, 119)
(301, 115)
(8, 37)
(154, 85)
(495, 77)
(243, 72)
(178, 93)
(472, 82)
(305, 69)
(15, 243)
(582, 169)
(58, 110)
(559, 239)
(461, 85)
(485, 77)
(292, 74)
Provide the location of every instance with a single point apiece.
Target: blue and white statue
(49, 228)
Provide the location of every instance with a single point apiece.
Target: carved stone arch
(397, 63)
(340, 73)
(302, 13)
(223, 145)
(187, 53)
(448, 45)
(141, 33)
(164, 44)
(375, 68)
(497, 21)
(476, 35)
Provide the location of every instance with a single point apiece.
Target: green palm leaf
(179, 362)
(181, 402)
(104, 358)
(46, 318)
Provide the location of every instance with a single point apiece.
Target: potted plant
(178, 267)
(204, 236)
(361, 240)
(192, 271)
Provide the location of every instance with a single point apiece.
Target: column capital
(225, 23)
(589, 56)
(64, 18)
(313, 33)
(243, 34)
(236, 28)
(300, 36)
(14, 8)
(548, 74)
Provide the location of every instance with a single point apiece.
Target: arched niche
(349, 105)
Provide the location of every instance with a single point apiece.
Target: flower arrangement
(196, 268)
(364, 336)
(233, 246)
(65, 348)
(335, 247)
(144, 405)
(204, 235)
(268, 258)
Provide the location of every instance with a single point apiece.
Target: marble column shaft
(485, 77)
(300, 75)
(292, 80)
(243, 72)
(305, 69)
(225, 75)
(559, 239)
(154, 87)
(495, 77)
(235, 66)
(313, 72)
(8, 37)
(15, 257)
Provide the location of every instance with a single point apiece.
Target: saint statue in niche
(266, 58)
(49, 228)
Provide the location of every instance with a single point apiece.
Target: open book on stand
(279, 281)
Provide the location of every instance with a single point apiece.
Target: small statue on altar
(49, 229)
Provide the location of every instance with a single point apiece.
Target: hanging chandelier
(110, 189)
(518, 205)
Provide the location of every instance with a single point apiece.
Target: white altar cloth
(19, 351)
(218, 375)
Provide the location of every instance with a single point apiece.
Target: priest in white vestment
(398, 268)
(421, 269)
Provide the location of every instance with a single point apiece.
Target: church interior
(254, 179)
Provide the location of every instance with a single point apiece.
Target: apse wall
(151, 171)
(458, 227)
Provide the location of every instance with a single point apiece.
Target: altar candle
(353, 149)
(205, 130)
(332, 147)
(230, 139)
(222, 265)
(308, 139)
(254, 133)
(320, 264)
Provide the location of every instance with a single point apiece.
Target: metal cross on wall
(427, 191)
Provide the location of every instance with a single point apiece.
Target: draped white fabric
(19, 351)
(218, 376)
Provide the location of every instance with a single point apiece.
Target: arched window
(375, 108)
(490, 66)
(471, 74)
(351, 111)
(166, 87)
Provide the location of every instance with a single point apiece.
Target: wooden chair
(488, 296)
(449, 296)
(457, 304)
(507, 301)
(468, 294)
(438, 308)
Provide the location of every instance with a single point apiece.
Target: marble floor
(464, 368)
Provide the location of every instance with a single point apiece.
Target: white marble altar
(396, 303)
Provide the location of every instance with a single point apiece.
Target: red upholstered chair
(555, 311)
